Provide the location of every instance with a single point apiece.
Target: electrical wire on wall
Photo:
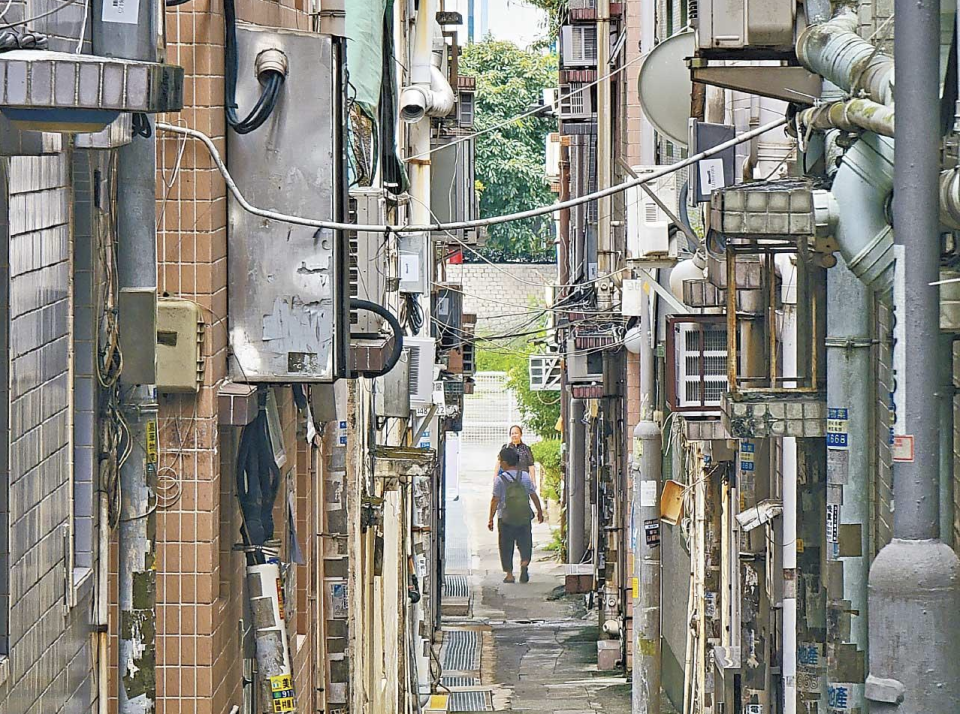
(271, 78)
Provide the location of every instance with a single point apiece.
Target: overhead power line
(459, 225)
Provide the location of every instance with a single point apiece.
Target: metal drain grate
(461, 651)
(460, 681)
(455, 586)
(470, 702)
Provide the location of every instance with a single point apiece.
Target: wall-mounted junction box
(179, 346)
(138, 332)
(288, 285)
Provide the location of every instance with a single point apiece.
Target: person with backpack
(512, 492)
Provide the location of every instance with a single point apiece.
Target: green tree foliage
(510, 159)
(547, 454)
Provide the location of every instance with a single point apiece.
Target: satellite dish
(665, 86)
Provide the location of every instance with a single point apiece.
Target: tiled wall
(200, 577)
(49, 658)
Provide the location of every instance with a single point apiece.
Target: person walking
(512, 492)
(523, 451)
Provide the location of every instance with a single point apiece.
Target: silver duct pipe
(835, 51)
(854, 212)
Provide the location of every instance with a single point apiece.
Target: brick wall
(503, 296)
(49, 663)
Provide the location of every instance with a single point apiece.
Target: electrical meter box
(179, 346)
(289, 284)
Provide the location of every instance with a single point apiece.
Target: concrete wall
(45, 625)
(502, 296)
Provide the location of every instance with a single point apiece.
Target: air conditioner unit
(453, 191)
(746, 24)
(466, 109)
(578, 45)
(648, 226)
(391, 392)
(576, 101)
(421, 354)
(697, 364)
(372, 258)
(583, 365)
(545, 372)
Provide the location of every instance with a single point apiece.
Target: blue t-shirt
(500, 486)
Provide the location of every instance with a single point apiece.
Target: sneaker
(524, 575)
(509, 578)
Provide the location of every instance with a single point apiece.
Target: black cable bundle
(258, 481)
(272, 81)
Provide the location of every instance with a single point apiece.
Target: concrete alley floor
(537, 647)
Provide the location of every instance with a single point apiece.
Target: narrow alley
(514, 647)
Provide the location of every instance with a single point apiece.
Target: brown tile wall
(199, 574)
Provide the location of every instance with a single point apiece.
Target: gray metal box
(138, 335)
(287, 283)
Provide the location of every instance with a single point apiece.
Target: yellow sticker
(799, 545)
(152, 448)
(281, 682)
(280, 598)
(636, 588)
(284, 705)
(281, 687)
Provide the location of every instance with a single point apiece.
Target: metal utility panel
(288, 284)
(747, 24)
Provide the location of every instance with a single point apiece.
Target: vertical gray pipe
(849, 476)
(913, 593)
(137, 268)
(647, 465)
(947, 515)
(576, 479)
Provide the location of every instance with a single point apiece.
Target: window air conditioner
(583, 365)
(697, 363)
(421, 353)
(545, 372)
(466, 109)
(576, 101)
(579, 45)
(648, 226)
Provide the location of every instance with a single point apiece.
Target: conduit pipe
(851, 115)
(835, 51)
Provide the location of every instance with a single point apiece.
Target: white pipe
(788, 336)
(430, 93)
(103, 604)
(425, 225)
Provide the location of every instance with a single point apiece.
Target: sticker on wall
(903, 448)
(281, 690)
(838, 429)
(651, 532)
(747, 456)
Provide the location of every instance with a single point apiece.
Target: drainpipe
(914, 589)
(853, 115)
(576, 480)
(849, 473)
(789, 471)
(137, 267)
(647, 466)
(430, 93)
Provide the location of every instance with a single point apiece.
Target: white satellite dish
(665, 86)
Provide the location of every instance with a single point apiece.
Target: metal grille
(490, 411)
(460, 681)
(461, 650)
(456, 586)
(471, 702)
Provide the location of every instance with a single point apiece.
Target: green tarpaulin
(365, 51)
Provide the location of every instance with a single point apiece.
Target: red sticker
(903, 449)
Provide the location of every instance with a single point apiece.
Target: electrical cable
(271, 79)
(357, 304)
(459, 225)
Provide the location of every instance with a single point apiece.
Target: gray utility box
(288, 284)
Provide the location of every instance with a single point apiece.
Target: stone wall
(502, 296)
